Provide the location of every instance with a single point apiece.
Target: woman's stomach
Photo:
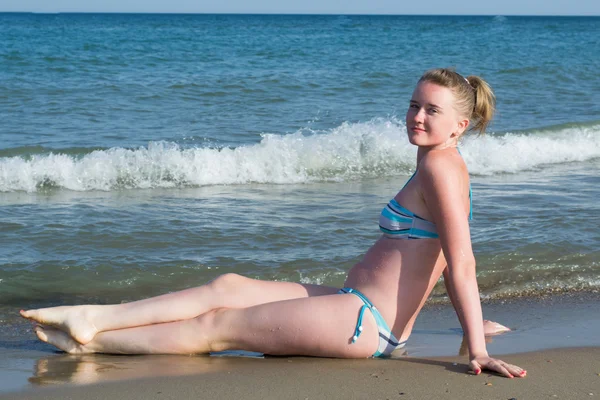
(397, 276)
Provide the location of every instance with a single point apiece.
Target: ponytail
(485, 103)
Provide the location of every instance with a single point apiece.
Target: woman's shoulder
(446, 162)
(444, 181)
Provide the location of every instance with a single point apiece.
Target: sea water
(142, 154)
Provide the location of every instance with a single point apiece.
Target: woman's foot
(59, 339)
(75, 321)
(491, 328)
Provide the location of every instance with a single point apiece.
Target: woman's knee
(226, 283)
(208, 327)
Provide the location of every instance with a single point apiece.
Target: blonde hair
(474, 96)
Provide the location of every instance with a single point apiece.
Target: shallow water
(142, 154)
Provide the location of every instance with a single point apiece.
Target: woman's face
(432, 120)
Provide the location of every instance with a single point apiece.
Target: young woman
(425, 233)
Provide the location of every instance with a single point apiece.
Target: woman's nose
(419, 115)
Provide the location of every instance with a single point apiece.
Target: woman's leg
(315, 326)
(227, 291)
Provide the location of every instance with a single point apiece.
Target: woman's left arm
(442, 184)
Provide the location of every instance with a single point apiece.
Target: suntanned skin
(282, 318)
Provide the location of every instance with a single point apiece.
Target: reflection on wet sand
(99, 368)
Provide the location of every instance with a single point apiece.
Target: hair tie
(471, 86)
(466, 80)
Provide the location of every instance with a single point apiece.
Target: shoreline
(558, 328)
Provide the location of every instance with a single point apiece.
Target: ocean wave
(350, 151)
(524, 151)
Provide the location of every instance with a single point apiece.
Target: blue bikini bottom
(387, 341)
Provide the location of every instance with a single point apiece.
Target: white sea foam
(511, 153)
(350, 151)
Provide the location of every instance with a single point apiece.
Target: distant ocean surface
(141, 154)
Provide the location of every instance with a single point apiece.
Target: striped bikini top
(397, 222)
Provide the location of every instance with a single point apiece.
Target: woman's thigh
(237, 291)
(315, 326)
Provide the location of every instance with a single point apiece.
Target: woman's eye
(413, 106)
(433, 110)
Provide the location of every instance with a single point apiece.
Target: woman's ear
(463, 124)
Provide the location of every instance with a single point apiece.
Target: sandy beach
(562, 373)
(554, 337)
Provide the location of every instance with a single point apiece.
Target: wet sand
(560, 373)
(556, 338)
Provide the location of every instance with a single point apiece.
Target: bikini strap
(359, 327)
(409, 179)
(470, 202)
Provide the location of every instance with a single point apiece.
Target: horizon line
(296, 14)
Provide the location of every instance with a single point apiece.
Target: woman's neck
(424, 150)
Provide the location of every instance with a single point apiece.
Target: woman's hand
(493, 364)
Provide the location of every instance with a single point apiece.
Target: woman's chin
(414, 139)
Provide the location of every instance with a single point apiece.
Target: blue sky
(463, 7)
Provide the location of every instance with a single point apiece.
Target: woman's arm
(490, 328)
(443, 183)
(452, 296)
